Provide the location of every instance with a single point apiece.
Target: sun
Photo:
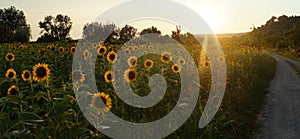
(211, 15)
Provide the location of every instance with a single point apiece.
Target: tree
(22, 34)
(55, 29)
(127, 33)
(96, 32)
(150, 30)
(13, 22)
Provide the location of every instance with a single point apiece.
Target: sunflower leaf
(18, 133)
(29, 117)
(13, 99)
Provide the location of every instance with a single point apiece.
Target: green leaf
(4, 116)
(29, 117)
(4, 80)
(18, 133)
(2, 100)
(13, 99)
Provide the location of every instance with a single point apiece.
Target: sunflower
(148, 63)
(67, 49)
(108, 77)
(42, 51)
(26, 75)
(127, 51)
(98, 105)
(132, 61)
(78, 76)
(181, 61)
(41, 72)
(61, 49)
(12, 90)
(10, 57)
(221, 59)
(11, 73)
(130, 75)
(176, 68)
(111, 57)
(48, 47)
(205, 64)
(166, 57)
(86, 54)
(101, 50)
(72, 49)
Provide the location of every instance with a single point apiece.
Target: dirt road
(281, 117)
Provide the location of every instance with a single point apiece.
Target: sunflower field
(37, 85)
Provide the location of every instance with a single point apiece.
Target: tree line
(14, 28)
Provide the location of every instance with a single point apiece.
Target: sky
(223, 16)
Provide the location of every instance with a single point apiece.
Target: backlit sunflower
(132, 61)
(10, 57)
(111, 57)
(221, 59)
(86, 54)
(72, 49)
(61, 49)
(98, 105)
(205, 64)
(148, 63)
(181, 61)
(11, 73)
(166, 57)
(176, 68)
(26, 75)
(48, 47)
(108, 77)
(42, 51)
(12, 90)
(130, 75)
(101, 50)
(78, 76)
(127, 51)
(41, 72)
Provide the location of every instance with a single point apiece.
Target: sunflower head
(10, 57)
(49, 47)
(98, 105)
(11, 73)
(26, 75)
(111, 57)
(205, 64)
(132, 61)
(166, 57)
(73, 49)
(101, 50)
(42, 51)
(148, 63)
(221, 59)
(108, 77)
(78, 76)
(12, 90)
(86, 54)
(127, 51)
(61, 49)
(176, 68)
(130, 75)
(41, 72)
(181, 61)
